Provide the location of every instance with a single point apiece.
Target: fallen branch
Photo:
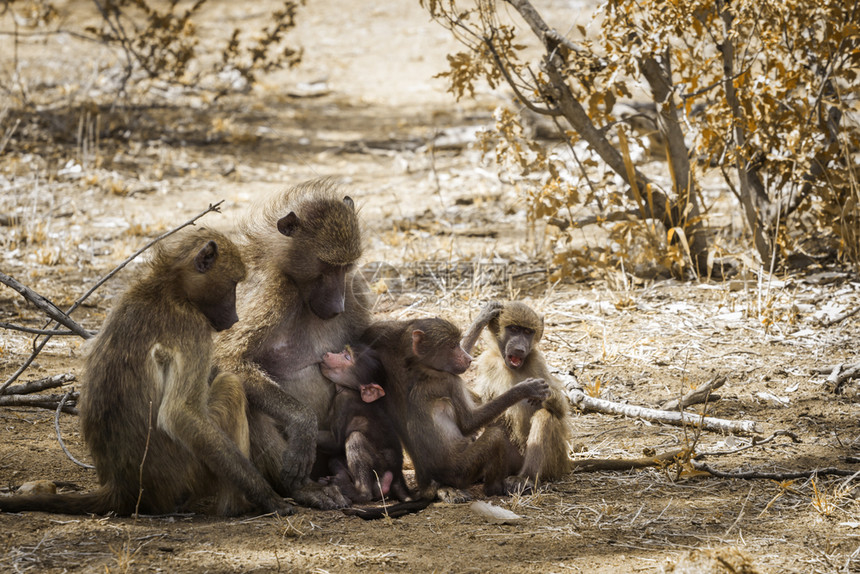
(840, 317)
(621, 464)
(842, 373)
(40, 401)
(49, 308)
(586, 403)
(697, 396)
(33, 331)
(41, 384)
(778, 476)
(38, 347)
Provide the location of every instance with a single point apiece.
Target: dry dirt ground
(86, 203)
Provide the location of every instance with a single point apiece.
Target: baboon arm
(490, 311)
(296, 422)
(472, 419)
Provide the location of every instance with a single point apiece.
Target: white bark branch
(586, 403)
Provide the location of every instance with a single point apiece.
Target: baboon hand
(300, 453)
(534, 390)
(490, 311)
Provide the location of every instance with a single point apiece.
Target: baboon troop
(236, 372)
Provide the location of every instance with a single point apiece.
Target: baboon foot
(520, 485)
(316, 495)
(453, 495)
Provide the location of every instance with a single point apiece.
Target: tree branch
(778, 476)
(41, 384)
(586, 403)
(49, 308)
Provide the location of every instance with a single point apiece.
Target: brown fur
(361, 429)
(157, 429)
(434, 412)
(298, 303)
(539, 432)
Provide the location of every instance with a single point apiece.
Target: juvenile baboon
(539, 431)
(434, 412)
(361, 428)
(297, 304)
(155, 426)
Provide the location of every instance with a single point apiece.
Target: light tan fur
(539, 432)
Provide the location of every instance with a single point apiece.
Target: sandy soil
(86, 203)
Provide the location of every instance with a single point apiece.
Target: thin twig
(60, 436)
(32, 331)
(142, 461)
(41, 345)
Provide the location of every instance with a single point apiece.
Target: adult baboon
(158, 430)
(297, 304)
(539, 432)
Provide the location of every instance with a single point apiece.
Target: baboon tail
(96, 502)
(392, 511)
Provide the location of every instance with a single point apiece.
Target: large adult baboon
(297, 304)
(161, 435)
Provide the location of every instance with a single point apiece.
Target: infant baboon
(539, 432)
(297, 304)
(157, 429)
(361, 428)
(434, 412)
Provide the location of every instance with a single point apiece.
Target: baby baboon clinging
(361, 428)
(540, 432)
(434, 412)
(297, 304)
(157, 429)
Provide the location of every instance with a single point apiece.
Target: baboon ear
(371, 392)
(349, 202)
(288, 224)
(205, 258)
(417, 338)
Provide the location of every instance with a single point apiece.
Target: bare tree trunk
(752, 194)
(661, 208)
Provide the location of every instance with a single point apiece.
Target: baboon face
(355, 368)
(326, 243)
(211, 283)
(436, 343)
(517, 344)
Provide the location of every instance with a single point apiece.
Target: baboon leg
(546, 455)
(484, 458)
(271, 454)
(227, 409)
(360, 462)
